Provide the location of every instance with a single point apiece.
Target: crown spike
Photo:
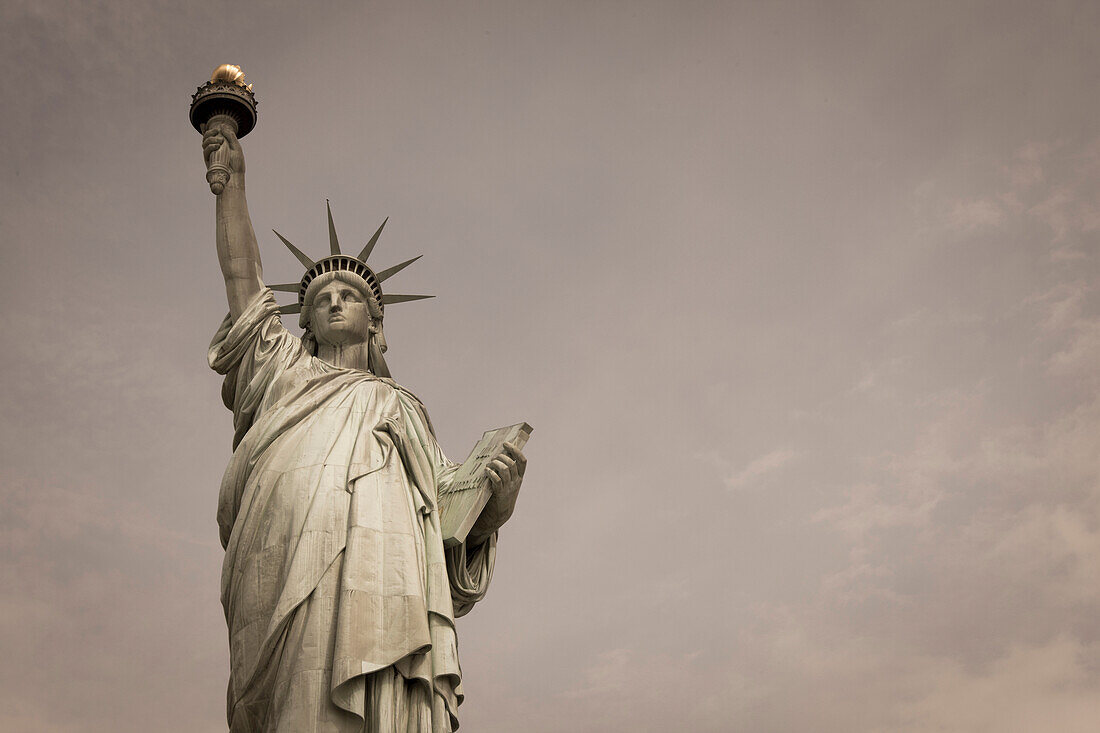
(391, 271)
(296, 252)
(286, 287)
(333, 242)
(373, 240)
(394, 298)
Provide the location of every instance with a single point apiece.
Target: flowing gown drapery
(338, 593)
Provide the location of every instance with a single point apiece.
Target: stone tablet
(463, 498)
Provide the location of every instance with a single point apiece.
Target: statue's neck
(346, 356)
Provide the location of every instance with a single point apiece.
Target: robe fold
(338, 593)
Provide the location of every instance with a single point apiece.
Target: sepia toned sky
(801, 299)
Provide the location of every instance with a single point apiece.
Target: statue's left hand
(505, 473)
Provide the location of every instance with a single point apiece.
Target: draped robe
(339, 596)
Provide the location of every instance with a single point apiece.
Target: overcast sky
(801, 300)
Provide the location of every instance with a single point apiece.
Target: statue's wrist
(491, 519)
(234, 187)
(476, 537)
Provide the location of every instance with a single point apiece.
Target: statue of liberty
(339, 592)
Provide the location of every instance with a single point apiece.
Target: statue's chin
(339, 343)
(340, 337)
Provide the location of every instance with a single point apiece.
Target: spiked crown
(339, 262)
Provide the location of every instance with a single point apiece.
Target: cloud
(759, 467)
(1026, 168)
(972, 537)
(876, 685)
(677, 690)
(1048, 686)
(1081, 354)
(976, 215)
(97, 583)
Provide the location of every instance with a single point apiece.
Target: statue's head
(340, 309)
(340, 298)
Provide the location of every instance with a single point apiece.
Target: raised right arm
(238, 252)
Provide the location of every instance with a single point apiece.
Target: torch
(224, 102)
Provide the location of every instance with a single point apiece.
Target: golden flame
(228, 72)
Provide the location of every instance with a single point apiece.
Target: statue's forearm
(238, 252)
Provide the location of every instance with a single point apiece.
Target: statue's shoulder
(411, 399)
(401, 390)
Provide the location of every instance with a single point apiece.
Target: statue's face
(340, 315)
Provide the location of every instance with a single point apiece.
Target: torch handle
(217, 168)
